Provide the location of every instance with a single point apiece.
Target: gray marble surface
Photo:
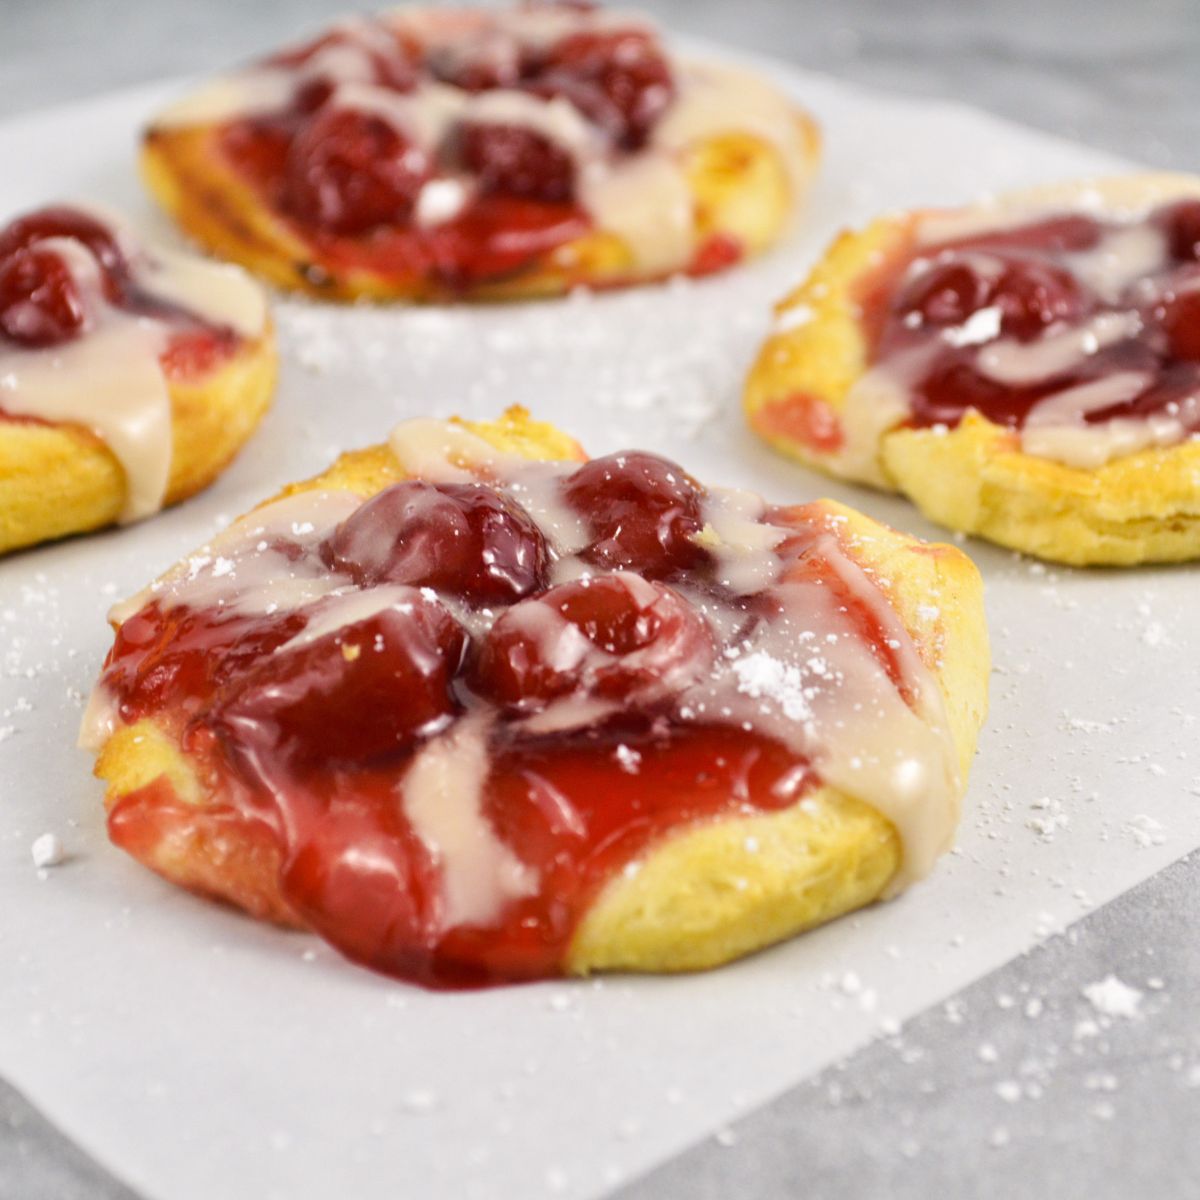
(1017, 1087)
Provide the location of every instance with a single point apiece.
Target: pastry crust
(1142, 507)
(61, 479)
(698, 898)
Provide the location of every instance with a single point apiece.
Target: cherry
(464, 539)
(614, 637)
(643, 512)
(620, 80)
(1033, 294)
(60, 220)
(521, 162)
(40, 304)
(1030, 294)
(1181, 321)
(367, 690)
(944, 294)
(1182, 225)
(350, 171)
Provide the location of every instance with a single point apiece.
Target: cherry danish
(440, 731)
(129, 376)
(1028, 369)
(446, 154)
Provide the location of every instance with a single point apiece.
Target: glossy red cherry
(463, 539)
(521, 162)
(615, 637)
(620, 80)
(350, 171)
(643, 511)
(1181, 320)
(1033, 294)
(61, 220)
(361, 692)
(1029, 293)
(1182, 224)
(944, 293)
(40, 303)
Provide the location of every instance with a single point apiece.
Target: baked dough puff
(705, 892)
(1024, 369)
(467, 155)
(133, 376)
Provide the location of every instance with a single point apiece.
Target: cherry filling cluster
(348, 170)
(451, 610)
(44, 302)
(378, 685)
(1023, 278)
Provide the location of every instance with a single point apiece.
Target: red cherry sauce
(1029, 279)
(347, 179)
(307, 742)
(43, 304)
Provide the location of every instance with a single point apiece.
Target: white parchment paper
(200, 1055)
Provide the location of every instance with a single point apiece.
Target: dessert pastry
(476, 154)
(129, 376)
(1026, 369)
(475, 708)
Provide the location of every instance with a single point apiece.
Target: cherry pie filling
(456, 720)
(61, 268)
(1100, 316)
(353, 179)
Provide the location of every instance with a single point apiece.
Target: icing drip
(109, 377)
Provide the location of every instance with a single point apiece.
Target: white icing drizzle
(1091, 446)
(352, 607)
(1056, 427)
(442, 797)
(808, 679)
(803, 676)
(1018, 363)
(742, 544)
(644, 198)
(109, 379)
(444, 452)
(1120, 270)
(877, 402)
(101, 718)
(1123, 257)
(239, 571)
